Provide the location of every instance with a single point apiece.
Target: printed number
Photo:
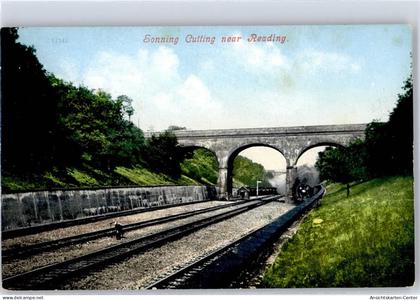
(59, 40)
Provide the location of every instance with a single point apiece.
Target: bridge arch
(233, 153)
(239, 148)
(319, 144)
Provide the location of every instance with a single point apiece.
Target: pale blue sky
(319, 75)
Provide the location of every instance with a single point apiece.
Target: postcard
(207, 157)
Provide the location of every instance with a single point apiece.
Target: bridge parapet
(241, 132)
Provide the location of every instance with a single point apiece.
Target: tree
(332, 165)
(48, 123)
(343, 164)
(377, 146)
(95, 124)
(29, 113)
(390, 145)
(400, 127)
(127, 106)
(163, 154)
(125, 147)
(248, 172)
(387, 149)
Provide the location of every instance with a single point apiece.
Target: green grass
(366, 240)
(82, 178)
(142, 176)
(201, 167)
(87, 176)
(185, 180)
(13, 183)
(246, 172)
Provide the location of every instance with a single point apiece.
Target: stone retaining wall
(40, 207)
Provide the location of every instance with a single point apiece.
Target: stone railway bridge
(291, 142)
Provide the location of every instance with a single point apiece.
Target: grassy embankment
(195, 171)
(201, 168)
(366, 240)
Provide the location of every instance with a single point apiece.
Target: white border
(218, 12)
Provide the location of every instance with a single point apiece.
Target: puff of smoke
(279, 182)
(308, 175)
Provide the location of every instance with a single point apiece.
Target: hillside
(365, 240)
(201, 168)
(246, 172)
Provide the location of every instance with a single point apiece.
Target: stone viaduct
(291, 142)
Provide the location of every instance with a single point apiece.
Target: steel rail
(51, 276)
(22, 252)
(12, 233)
(220, 268)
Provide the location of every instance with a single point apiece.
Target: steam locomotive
(301, 190)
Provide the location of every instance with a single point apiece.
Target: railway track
(51, 276)
(22, 252)
(13, 233)
(225, 266)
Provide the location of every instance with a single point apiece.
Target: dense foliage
(47, 122)
(69, 133)
(56, 134)
(94, 126)
(29, 112)
(389, 146)
(202, 167)
(387, 149)
(246, 172)
(162, 154)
